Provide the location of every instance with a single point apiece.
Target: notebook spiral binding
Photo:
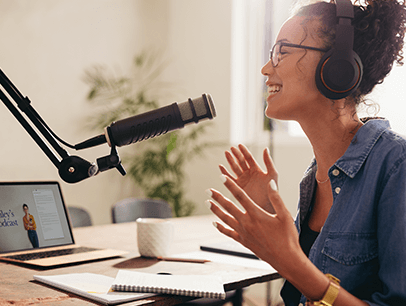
(172, 291)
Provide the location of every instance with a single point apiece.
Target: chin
(276, 113)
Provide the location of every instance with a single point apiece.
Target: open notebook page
(92, 286)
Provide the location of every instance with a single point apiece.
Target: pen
(183, 259)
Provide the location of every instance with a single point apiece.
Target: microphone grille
(203, 106)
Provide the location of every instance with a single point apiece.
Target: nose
(267, 68)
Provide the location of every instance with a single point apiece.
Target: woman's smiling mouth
(274, 89)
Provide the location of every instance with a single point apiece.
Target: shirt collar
(350, 163)
(361, 145)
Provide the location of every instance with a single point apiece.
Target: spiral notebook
(207, 286)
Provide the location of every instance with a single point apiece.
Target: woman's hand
(272, 237)
(249, 175)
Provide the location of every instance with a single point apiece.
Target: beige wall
(47, 45)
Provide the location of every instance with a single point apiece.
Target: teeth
(274, 89)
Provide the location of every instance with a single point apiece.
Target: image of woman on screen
(30, 226)
(347, 243)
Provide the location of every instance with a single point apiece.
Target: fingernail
(268, 151)
(223, 178)
(208, 204)
(273, 185)
(209, 192)
(215, 224)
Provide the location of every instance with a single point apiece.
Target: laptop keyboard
(46, 254)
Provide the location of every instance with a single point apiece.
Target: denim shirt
(363, 241)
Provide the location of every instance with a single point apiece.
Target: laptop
(35, 228)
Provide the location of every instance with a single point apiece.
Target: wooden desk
(19, 288)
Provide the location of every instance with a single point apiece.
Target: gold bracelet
(330, 295)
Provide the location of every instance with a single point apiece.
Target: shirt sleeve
(391, 234)
(25, 221)
(34, 225)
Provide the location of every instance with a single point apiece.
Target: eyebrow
(282, 40)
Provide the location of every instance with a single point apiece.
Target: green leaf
(171, 144)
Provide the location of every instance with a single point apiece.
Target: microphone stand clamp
(73, 169)
(112, 160)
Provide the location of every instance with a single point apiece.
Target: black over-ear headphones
(339, 71)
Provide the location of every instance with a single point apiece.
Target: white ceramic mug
(154, 237)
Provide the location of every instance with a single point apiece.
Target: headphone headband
(344, 30)
(345, 9)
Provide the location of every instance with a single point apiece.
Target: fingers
(248, 156)
(230, 219)
(227, 204)
(246, 160)
(239, 194)
(276, 200)
(237, 161)
(234, 166)
(270, 167)
(226, 231)
(224, 171)
(226, 218)
(240, 158)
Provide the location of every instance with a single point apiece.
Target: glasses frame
(284, 44)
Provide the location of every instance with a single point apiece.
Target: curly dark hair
(379, 30)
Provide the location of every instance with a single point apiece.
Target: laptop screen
(32, 215)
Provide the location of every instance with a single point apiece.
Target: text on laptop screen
(32, 215)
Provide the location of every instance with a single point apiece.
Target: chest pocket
(353, 258)
(351, 248)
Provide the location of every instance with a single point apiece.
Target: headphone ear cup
(338, 74)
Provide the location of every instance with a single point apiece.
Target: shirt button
(336, 172)
(337, 190)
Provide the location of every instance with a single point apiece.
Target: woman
(352, 207)
(30, 226)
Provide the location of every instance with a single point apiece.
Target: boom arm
(72, 169)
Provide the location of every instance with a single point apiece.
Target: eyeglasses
(276, 51)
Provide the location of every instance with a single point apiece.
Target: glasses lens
(275, 55)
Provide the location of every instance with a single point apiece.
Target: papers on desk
(131, 285)
(92, 286)
(229, 252)
(98, 287)
(228, 259)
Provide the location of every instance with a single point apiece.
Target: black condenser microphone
(154, 123)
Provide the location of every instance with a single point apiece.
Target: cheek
(301, 84)
(305, 81)
(298, 95)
